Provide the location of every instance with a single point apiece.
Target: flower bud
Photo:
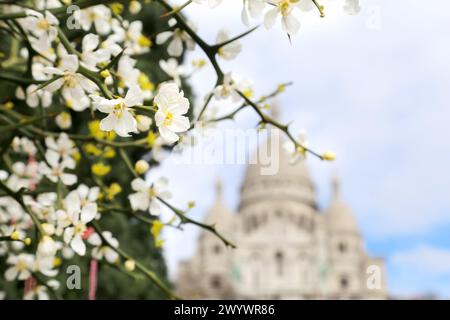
(15, 235)
(143, 41)
(141, 166)
(134, 7)
(47, 247)
(105, 73)
(100, 169)
(27, 241)
(143, 123)
(63, 120)
(130, 265)
(117, 8)
(329, 156)
(113, 190)
(9, 105)
(57, 262)
(49, 229)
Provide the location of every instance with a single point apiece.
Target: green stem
(25, 123)
(177, 9)
(141, 267)
(216, 47)
(285, 128)
(127, 161)
(185, 219)
(17, 79)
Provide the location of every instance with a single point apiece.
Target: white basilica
(286, 248)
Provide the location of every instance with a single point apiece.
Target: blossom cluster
(283, 10)
(81, 102)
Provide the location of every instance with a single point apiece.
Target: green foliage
(134, 236)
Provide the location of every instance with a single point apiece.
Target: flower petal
(78, 245)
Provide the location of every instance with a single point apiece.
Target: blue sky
(375, 89)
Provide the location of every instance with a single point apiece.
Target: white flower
(10, 210)
(99, 16)
(172, 68)
(74, 85)
(47, 4)
(40, 25)
(126, 73)
(45, 265)
(352, 7)
(87, 195)
(227, 89)
(158, 153)
(38, 68)
(39, 292)
(145, 198)
(285, 8)
(175, 47)
(24, 145)
(79, 216)
(253, 9)
(119, 118)
(63, 146)
(104, 251)
(62, 219)
(130, 35)
(55, 171)
(229, 51)
(21, 266)
(90, 55)
(24, 175)
(47, 247)
(33, 96)
(297, 153)
(172, 105)
(44, 208)
(245, 86)
(43, 45)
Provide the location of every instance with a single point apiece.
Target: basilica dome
(272, 175)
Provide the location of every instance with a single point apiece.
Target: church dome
(339, 215)
(285, 167)
(271, 174)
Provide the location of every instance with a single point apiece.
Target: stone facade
(287, 249)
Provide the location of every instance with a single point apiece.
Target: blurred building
(287, 249)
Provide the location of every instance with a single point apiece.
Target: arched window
(217, 249)
(216, 282)
(279, 261)
(344, 282)
(342, 247)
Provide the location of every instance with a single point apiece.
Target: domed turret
(219, 214)
(339, 215)
(272, 175)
